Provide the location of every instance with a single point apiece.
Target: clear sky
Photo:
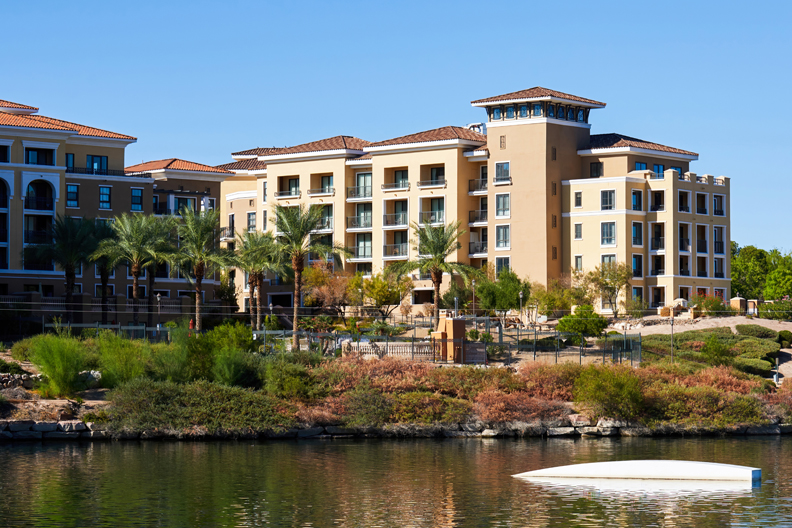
(198, 80)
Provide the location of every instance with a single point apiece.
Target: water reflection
(346, 483)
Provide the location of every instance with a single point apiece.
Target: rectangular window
(608, 200)
(327, 183)
(553, 188)
(96, 164)
(210, 204)
(637, 234)
(502, 172)
(104, 197)
(141, 292)
(578, 198)
(637, 293)
(137, 199)
(96, 272)
(678, 169)
(184, 202)
(39, 156)
(70, 161)
(510, 112)
(658, 169)
(609, 259)
(717, 205)
(523, 110)
(110, 291)
(401, 178)
(640, 166)
(72, 195)
(578, 231)
(501, 263)
(5, 154)
(578, 262)
(555, 221)
(553, 154)
(637, 265)
(502, 236)
(537, 109)
(438, 174)
(595, 169)
(263, 220)
(251, 217)
(502, 205)
(264, 200)
(555, 253)
(608, 233)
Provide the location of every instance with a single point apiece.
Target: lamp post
(159, 312)
(521, 300)
(475, 320)
(360, 290)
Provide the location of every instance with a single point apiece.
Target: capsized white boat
(648, 470)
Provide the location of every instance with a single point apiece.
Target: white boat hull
(648, 470)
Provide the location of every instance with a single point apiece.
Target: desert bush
(284, 379)
(60, 359)
(549, 382)
(473, 334)
(701, 405)
(11, 368)
(754, 348)
(237, 367)
(614, 391)
(170, 362)
(584, 321)
(715, 352)
(467, 382)
(486, 337)
(759, 331)
(759, 367)
(494, 406)
(120, 360)
(22, 350)
(328, 411)
(367, 407)
(428, 407)
(778, 310)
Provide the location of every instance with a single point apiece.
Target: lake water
(371, 483)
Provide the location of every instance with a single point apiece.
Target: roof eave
(428, 145)
(637, 150)
(318, 154)
(485, 102)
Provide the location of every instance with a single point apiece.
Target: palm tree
(134, 244)
(257, 254)
(199, 253)
(71, 241)
(103, 231)
(159, 253)
(435, 245)
(295, 225)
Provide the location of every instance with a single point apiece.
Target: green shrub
(757, 331)
(23, 350)
(486, 337)
(427, 407)
(759, 367)
(284, 379)
(584, 321)
(473, 335)
(237, 367)
(170, 362)
(120, 360)
(754, 348)
(701, 405)
(614, 392)
(778, 310)
(235, 335)
(715, 352)
(574, 340)
(11, 368)
(367, 407)
(60, 359)
(785, 336)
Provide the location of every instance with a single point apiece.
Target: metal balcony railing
(718, 212)
(658, 243)
(701, 246)
(637, 207)
(326, 222)
(359, 222)
(685, 272)
(658, 271)
(701, 210)
(161, 209)
(719, 275)
(657, 176)
(39, 265)
(684, 208)
(501, 179)
(395, 250)
(360, 252)
(430, 183)
(701, 273)
(37, 237)
(432, 217)
(684, 244)
(477, 216)
(363, 191)
(637, 241)
(657, 207)
(226, 233)
(98, 172)
(291, 193)
(322, 190)
(475, 248)
(719, 246)
(477, 185)
(39, 203)
(401, 185)
(395, 219)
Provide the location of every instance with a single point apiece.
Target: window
(141, 292)
(553, 154)
(678, 169)
(401, 178)
(510, 112)
(104, 197)
(555, 253)
(39, 156)
(637, 234)
(555, 221)
(595, 169)
(502, 172)
(609, 259)
(501, 263)
(327, 183)
(502, 236)
(581, 116)
(496, 113)
(437, 175)
(640, 166)
(553, 189)
(550, 111)
(502, 205)
(578, 231)
(5, 154)
(364, 268)
(717, 206)
(578, 262)
(263, 220)
(98, 276)
(72, 195)
(537, 109)
(578, 198)
(98, 164)
(523, 110)
(503, 142)
(658, 169)
(637, 265)
(483, 172)
(210, 204)
(608, 199)
(137, 199)
(110, 291)
(251, 217)
(264, 200)
(608, 233)
(571, 114)
(69, 161)
(637, 200)
(637, 293)
(184, 202)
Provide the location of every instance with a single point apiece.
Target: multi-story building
(554, 197)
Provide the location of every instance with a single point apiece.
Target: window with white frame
(578, 231)
(502, 236)
(608, 233)
(109, 291)
(609, 259)
(637, 234)
(608, 200)
(141, 291)
(96, 272)
(104, 197)
(578, 199)
(578, 262)
(502, 263)
(502, 172)
(137, 199)
(502, 205)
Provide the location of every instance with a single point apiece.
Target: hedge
(754, 330)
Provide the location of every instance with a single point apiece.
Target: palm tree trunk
(437, 280)
(150, 319)
(260, 280)
(135, 277)
(198, 302)
(69, 292)
(297, 264)
(251, 301)
(104, 277)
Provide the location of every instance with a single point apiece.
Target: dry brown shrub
(494, 406)
(696, 345)
(549, 382)
(327, 412)
(724, 378)
(386, 374)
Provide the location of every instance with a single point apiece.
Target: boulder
(61, 435)
(609, 431)
(556, 422)
(289, 433)
(127, 435)
(20, 425)
(578, 420)
(489, 433)
(561, 431)
(28, 435)
(635, 431)
(610, 423)
(95, 426)
(45, 427)
(337, 431)
(71, 426)
(588, 431)
(462, 434)
(534, 428)
(474, 427)
(94, 435)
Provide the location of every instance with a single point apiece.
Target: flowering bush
(494, 406)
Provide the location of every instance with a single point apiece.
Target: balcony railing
(396, 186)
(658, 243)
(701, 210)
(432, 217)
(701, 179)
(326, 222)
(226, 233)
(658, 271)
(701, 246)
(719, 275)
(684, 244)
(395, 219)
(37, 265)
(685, 272)
(323, 190)
(701, 273)
(501, 179)
(432, 183)
(657, 176)
(637, 241)
(37, 237)
(684, 177)
(477, 216)
(719, 246)
(98, 172)
(720, 181)
(161, 209)
(718, 212)
(684, 208)
(363, 191)
(291, 193)
(657, 207)
(475, 248)
(395, 250)
(637, 273)
(477, 185)
(658, 304)
(359, 222)
(360, 252)
(39, 203)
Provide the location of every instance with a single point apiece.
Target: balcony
(226, 233)
(396, 186)
(637, 207)
(684, 177)
(475, 217)
(422, 276)
(657, 207)
(39, 203)
(657, 176)
(394, 220)
(437, 182)
(701, 179)
(161, 209)
(720, 181)
(684, 208)
(291, 193)
(360, 252)
(432, 217)
(501, 180)
(718, 212)
(701, 210)
(658, 304)
(637, 241)
(658, 243)
(477, 248)
(37, 237)
(324, 191)
(684, 244)
(363, 191)
(656, 272)
(719, 247)
(325, 223)
(395, 250)
(359, 222)
(701, 273)
(637, 273)
(478, 185)
(103, 172)
(719, 275)
(685, 272)
(701, 246)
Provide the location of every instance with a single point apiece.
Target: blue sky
(198, 80)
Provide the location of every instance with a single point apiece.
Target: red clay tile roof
(605, 141)
(9, 104)
(437, 134)
(174, 164)
(536, 92)
(245, 164)
(37, 121)
(333, 143)
(258, 151)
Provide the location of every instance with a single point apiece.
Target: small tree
(778, 284)
(607, 281)
(503, 294)
(326, 288)
(584, 321)
(386, 291)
